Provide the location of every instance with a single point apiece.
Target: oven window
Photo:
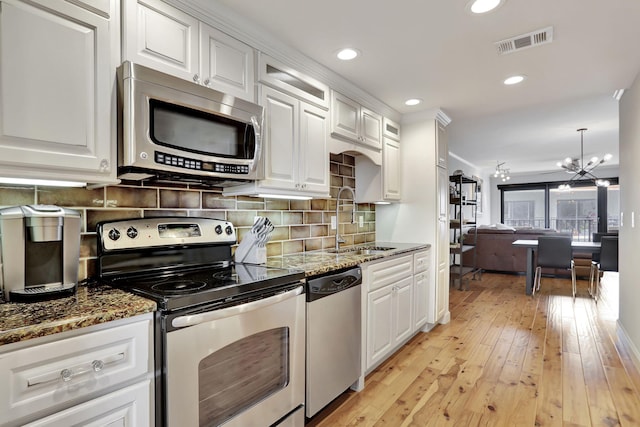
(200, 132)
(242, 374)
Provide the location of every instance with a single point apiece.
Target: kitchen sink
(362, 250)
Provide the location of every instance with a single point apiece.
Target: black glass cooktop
(187, 288)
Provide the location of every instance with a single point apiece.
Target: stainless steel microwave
(170, 129)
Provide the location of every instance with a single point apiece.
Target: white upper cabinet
(164, 38)
(226, 64)
(160, 36)
(381, 183)
(353, 122)
(314, 152)
(284, 78)
(345, 117)
(296, 155)
(390, 129)
(391, 170)
(57, 90)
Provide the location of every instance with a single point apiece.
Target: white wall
(629, 318)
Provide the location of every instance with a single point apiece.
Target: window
(524, 208)
(542, 205)
(574, 211)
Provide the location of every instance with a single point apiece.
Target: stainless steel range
(230, 338)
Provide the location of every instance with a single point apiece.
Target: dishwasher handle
(196, 319)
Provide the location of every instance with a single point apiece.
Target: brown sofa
(495, 252)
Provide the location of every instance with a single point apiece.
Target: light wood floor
(505, 359)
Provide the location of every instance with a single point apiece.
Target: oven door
(237, 366)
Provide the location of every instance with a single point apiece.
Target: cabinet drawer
(130, 406)
(421, 261)
(389, 271)
(46, 378)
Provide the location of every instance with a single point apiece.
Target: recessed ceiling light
(514, 80)
(347, 54)
(483, 6)
(413, 101)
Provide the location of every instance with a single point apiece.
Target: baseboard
(635, 354)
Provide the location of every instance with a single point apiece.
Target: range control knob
(229, 230)
(218, 229)
(132, 232)
(114, 234)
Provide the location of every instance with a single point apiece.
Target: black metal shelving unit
(463, 194)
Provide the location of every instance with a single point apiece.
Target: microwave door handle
(258, 151)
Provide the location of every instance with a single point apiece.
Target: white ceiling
(437, 51)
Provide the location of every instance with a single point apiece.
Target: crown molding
(430, 114)
(221, 17)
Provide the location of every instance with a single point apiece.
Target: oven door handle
(196, 319)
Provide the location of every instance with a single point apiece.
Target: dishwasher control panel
(333, 283)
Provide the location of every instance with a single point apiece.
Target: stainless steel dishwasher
(333, 336)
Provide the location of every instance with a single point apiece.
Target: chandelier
(580, 170)
(501, 172)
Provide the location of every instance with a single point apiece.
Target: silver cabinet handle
(196, 78)
(72, 372)
(196, 319)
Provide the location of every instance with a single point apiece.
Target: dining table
(532, 246)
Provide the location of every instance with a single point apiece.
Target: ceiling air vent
(524, 41)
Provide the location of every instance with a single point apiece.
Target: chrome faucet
(353, 214)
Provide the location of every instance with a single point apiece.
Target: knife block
(249, 252)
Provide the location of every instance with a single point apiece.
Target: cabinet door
(391, 169)
(371, 130)
(403, 310)
(442, 146)
(390, 129)
(314, 149)
(226, 64)
(439, 291)
(57, 117)
(161, 37)
(345, 117)
(420, 283)
(380, 319)
(280, 139)
(130, 406)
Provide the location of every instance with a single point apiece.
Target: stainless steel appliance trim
(192, 320)
(138, 85)
(187, 347)
(258, 147)
(334, 319)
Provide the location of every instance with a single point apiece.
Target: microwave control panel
(187, 163)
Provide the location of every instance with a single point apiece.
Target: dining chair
(554, 252)
(608, 261)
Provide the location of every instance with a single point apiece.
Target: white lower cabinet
(389, 319)
(129, 406)
(395, 301)
(98, 376)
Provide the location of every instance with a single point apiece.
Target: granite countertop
(319, 262)
(91, 305)
(95, 304)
